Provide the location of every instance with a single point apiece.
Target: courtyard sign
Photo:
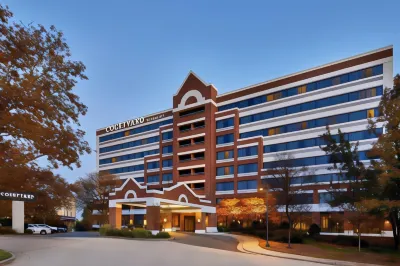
(17, 196)
(133, 122)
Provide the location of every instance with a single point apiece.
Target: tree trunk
(395, 228)
(290, 225)
(359, 239)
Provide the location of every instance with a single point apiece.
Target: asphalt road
(67, 251)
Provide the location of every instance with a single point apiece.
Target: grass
(4, 255)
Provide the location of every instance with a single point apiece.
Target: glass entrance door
(189, 223)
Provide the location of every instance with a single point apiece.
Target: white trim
(192, 136)
(192, 93)
(224, 192)
(167, 130)
(183, 196)
(167, 182)
(153, 170)
(248, 174)
(247, 157)
(130, 192)
(194, 105)
(191, 121)
(190, 152)
(167, 140)
(193, 182)
(224, 129)
(133, 211)
(225, 160)
(153, 183)
(246, 191)
(224, 145)
(167, 168)
(167, 154)
(224, 176)
(191, 167)
(333, 190)
(224, 117)
(199, 231)
(152, 160)
(213, 229)
(154, 232)
(248, 145)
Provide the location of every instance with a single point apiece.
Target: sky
(138, 53)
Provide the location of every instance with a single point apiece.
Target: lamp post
(266, 214)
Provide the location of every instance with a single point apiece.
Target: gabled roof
(191, 73)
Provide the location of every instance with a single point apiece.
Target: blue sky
(137, 53)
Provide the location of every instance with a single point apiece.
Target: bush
(141, 233)
(83, 226)
(28, 232)
(135, 233)
(162, 235)
(314, 230)
(5, 230)
(284, 225)
(103, 229)
(282, 235)
(349, 241)
(223, 229)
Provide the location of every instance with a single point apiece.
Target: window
(185, 172)
(185, 128)
(325, 197)
(153, 165)
(225, 123)
(139, 179)
(226, 170)
(248, 168)
(126, 157)
(228, 138)
(167, 177)
(127, 133)
(198, 156)
(248, 151)
(198, 140)
(167, 149)
(167, 135)
(184, 143)
(167, 163)
(153, 178)
(222, 155)
(200, 124)
(198, 171)
(324, 222)
(224, 186)
(247, 184)
(129, 144)
(191, 111)
(356, 75)
(185, 157)
(371, 113)
(126, 169)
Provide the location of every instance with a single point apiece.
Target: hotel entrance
(189, 224)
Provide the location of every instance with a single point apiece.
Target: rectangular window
(225, 123)
(167, 135)
(191, 112)
(167, 163)
(247, 184)
(324, 222)
(222, 155)
(248, 151)
(248, 168)
(153, 165)
(371, 113)
(302, 89)
(167, 149)
(167, 177)
(226, 170)
(199, 124)
(325, 197)
(153, 178)
(139, 179)
(228, 138)
(224, 186)
(126, 133)
(185, 172)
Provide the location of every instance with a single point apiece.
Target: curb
(140, 239)
(9, 260)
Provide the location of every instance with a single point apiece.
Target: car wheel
(43, 232)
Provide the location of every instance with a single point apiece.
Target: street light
(266, 213)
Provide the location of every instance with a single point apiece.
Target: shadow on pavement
(208, 241)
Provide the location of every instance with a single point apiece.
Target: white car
(38, 229)
(52, 228)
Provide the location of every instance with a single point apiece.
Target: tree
(92, 192)
(280, 179)
(38, 109)
(387, 148)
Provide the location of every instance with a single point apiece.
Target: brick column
(200, 222)
(212, 223)
(131, 217)
(153, 219)
(316, 218)
(115, 215)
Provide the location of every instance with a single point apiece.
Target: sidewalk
(250, 245)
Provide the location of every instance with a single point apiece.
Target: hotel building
(177, 164)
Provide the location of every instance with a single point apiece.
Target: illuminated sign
(133, 122)
(17, 196)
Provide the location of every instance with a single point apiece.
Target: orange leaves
(238, 207)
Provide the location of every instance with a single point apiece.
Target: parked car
(52, 228)
(61, 229)
(38, 229)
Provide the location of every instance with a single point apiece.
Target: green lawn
(4, 255)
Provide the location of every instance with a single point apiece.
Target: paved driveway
(67, 251)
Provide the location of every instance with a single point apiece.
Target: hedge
(134, 233)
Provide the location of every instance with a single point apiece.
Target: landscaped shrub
(284, 225)
(5, 230)
(223, 229)
(28, 232)
(282, 235)
(103, 229)
(162, 235)
(349, 241)
(314, 230)
(141, 233)
(82, 226)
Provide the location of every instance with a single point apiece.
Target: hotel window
(325, 197)
(185, 172)
(248, 151)
(114, 160)
(167, 135)
(139, 179)
(144, 141)
(199, 124)
(198, 171)
(371, 113)
(126, 169)
(198, 140)
(248, 168)
(192, 111)
(226, 170)
(167, 149)
(247, 184)
(167, 177)
(153, 178)
(153, 165)
(167, 163)
(324, 222)
(228, 138)
(302, 89)
(224, 186)
(185, 128)
(127, 133)
(229, 122)
(222, 155)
